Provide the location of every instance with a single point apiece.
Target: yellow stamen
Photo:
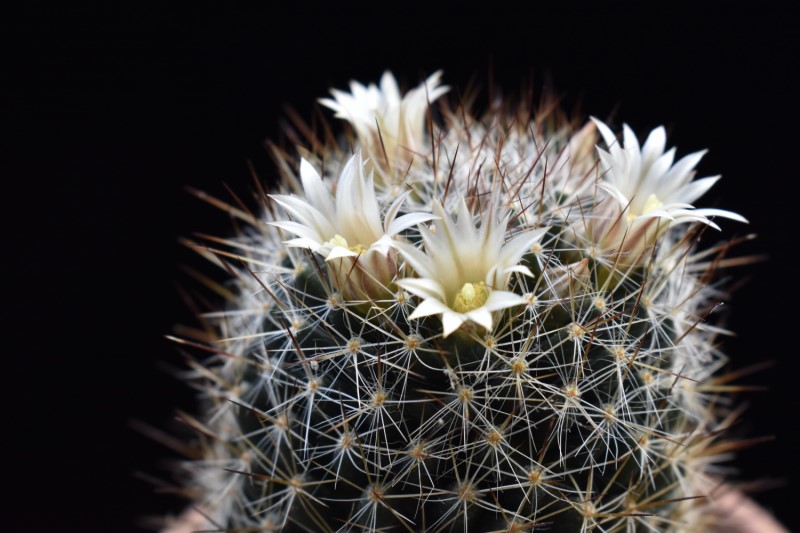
(471, 296)
(338, 240)
(358, 248)
(651, 204)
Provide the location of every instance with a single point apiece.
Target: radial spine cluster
(449, 322)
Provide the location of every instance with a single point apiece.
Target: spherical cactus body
(461, 323)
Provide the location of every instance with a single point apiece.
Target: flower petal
(427, 307)
(338, 252)
(605, 131)
(422, 263)
(710, 212)
(481, 316)
(316, 192)
(357, 211)
(451, 321)
(503, 299)
(423, 287)
(408, 220)
(305, 213)
(514, 249)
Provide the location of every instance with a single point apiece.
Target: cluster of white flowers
(618, 209)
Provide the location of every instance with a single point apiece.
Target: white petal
(521, 269)
(658, 168)
(301, 230)
(514, 249)
(338, 252)
(481, 316)
(451, 321)
(312, 245)
(419, 261)
(681, 172)
(315, 190)
(427, 307)
(709, 212)
(632, 152)
(406, 221)
(503, 299)
(357, 210)
(391, 213)
(423, 287)
(434, 89)
(687, 217)
(696, 189)
(382, 245)
(616, 194)
(654, 145)
(657, 213)
(330, 104)
(305, 213)
(605, 131)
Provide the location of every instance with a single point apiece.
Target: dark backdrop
(107, 114)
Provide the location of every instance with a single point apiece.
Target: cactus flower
(649, 193)
(389, 125)
(463, 271)
(349, 226)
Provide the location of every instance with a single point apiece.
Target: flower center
(652, 203)
(338, 240)
(471, 296)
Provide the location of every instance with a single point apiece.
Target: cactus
(462, 323)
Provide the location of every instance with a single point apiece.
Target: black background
(108, 113)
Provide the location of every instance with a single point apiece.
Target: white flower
(647, 193)
(382, 119)
(646, 183)
(348, 225)
(464, 271)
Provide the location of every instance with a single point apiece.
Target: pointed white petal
(434, 89)
(389, 87)
(338, 252)
(605, 131)
(357, 211)
(391, 213)
(451, 321)
(696, 189)
(514, 249)
(654, 145)
(316, 192)
(423, 287)
(687, 217)
(520, 269)
(304, 212)
(408, 220)
(382, 245)
(710, 212)
(481, 316)
(503, 299)
(615, 193)
(633, 154)
(330, 104)
(422, 264)
(428, 307)
(658, 168)
(682, 171)
(656, 213)
(301, 230)
(310, 244)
